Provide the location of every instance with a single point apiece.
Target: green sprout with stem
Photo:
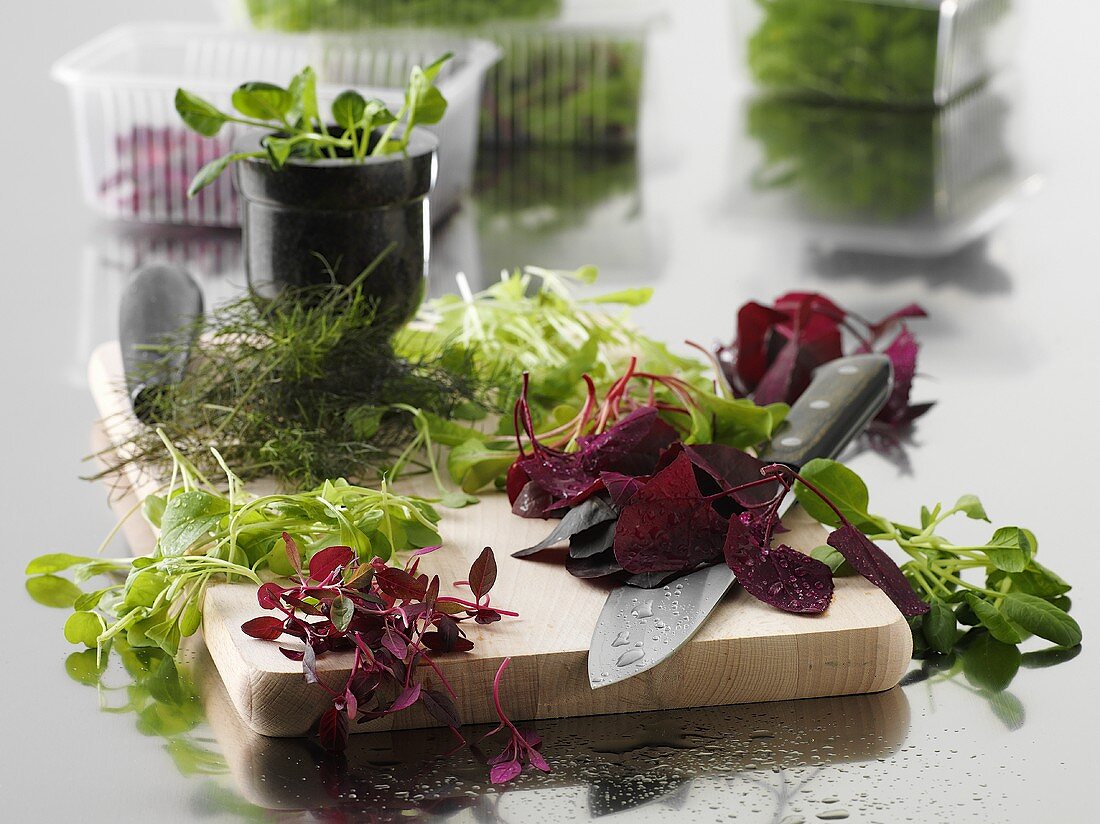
(296, 129)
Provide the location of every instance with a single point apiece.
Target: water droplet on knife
(630, 656)
(622, 638)
(644, 610)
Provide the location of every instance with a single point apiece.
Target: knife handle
(842, 398)
(160, 305)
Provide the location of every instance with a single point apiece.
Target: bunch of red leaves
(616, 436)
(777, 348)
(711, 503)
(393, 619)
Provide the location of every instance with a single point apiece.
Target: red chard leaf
(327, 560)
(669, 525)
(516, 480)
(780, 576)
(622, 488)
(750, 355)
(778, 347)
(877, 567)
(593, 566)
(593, 540)
(912, 310)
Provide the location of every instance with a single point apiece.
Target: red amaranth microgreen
(522, 747)
(392, 619)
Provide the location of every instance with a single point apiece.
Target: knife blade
(842, 398)
(160, 305)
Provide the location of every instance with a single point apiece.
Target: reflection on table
(920, 183)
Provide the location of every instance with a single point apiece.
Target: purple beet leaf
(875, 565)
(669, 525)
(780, 576)
(556, 479)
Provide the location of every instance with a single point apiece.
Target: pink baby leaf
(505, 771)
(877, 567)
(327, 560)
(309, 664)
(669, 525)
(486, 616)
(292, 553)
(483, 573)
(393, 641)
(537, 761)
(409, 696)
(266, 628)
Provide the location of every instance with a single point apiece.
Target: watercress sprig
(296, 128)
(207, 535)
(1013, 597)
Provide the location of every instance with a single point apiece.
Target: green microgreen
(296, 130)
(997, 584)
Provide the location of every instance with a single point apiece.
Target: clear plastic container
(315, 15)
(912, 183)
(905, 53)
(137, 156)
(572, 70)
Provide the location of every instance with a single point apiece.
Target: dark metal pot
(311, 217)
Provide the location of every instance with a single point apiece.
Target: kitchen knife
(160, 305)
(843, 396)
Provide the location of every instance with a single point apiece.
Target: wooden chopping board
(745, 652)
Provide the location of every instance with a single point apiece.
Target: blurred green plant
(307, 15)
(860, 163)
(847, 50)
(564, 88)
